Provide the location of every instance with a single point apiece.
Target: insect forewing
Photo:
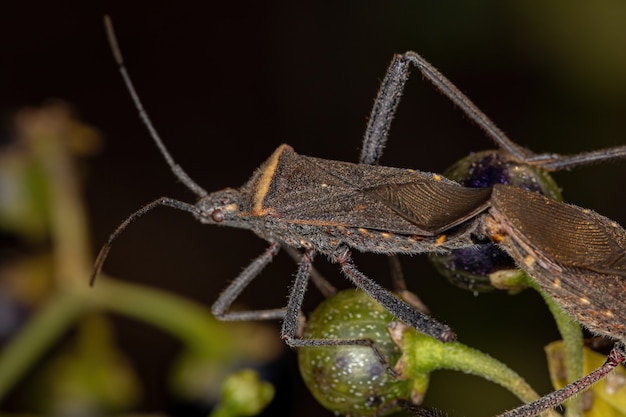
(433, 205)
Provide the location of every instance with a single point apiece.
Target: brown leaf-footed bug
(327, 207)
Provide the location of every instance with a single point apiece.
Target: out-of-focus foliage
(243, 394)
(53, 320)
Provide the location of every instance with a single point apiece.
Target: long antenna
(163, 201)
(176, 169)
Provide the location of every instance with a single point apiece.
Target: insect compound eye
(217, 216)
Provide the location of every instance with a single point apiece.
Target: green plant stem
(573, 345)
(188, 321)
(180, 317)
(68, 220)
(570, 330)
(424, 355)
(56, 316)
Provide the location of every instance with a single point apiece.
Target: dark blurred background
(226, 83)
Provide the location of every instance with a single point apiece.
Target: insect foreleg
(230, 294)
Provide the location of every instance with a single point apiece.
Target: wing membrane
(433, 205)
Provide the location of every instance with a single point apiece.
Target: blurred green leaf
(89, 376)
(23, 200)
(243, 394)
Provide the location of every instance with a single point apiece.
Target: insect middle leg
(407, 313)
(292, 317)
(399, 285)
(404, 311)
(291, 329)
